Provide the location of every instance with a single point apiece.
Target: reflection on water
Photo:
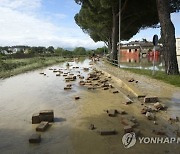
(135, 61)
(25, 94)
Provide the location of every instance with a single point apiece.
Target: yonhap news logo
(129, 140)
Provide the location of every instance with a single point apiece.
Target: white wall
(178, 46)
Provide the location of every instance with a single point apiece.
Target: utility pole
(119, 48)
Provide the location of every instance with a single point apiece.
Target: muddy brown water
(25, 94)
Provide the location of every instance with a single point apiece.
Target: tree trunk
(168, 36)
(114, 34)
(109, 46)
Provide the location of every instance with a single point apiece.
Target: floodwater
(25, 94)
(134, 61)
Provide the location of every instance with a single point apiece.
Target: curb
(125, 85)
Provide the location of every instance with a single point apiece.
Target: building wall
(178, 46)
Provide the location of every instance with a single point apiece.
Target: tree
(79, 51)
(50, 49)
(135, 15)
(168, 35)
(59, 51)
(100, 19)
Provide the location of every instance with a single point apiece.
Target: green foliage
(59, 51)
(101, 51)
(51, 49)
(79, 51)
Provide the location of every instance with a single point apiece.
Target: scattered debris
(67, 88)
(46, 115)
(112, 113)
(128, 102)
(115, 92)
(131, 80)
(35, 138)
(35, 118)
(92, 127)
(107, 132)
(150, 99)
(77, 97)
(42, 126)
(174, 118)
(158, 106)
(150, 116)
(128, 129)
(155, 123)
(105, 88)
(58, 74)
(86, 69)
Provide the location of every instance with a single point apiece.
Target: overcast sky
(50, 22)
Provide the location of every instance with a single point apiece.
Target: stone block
(77, 97)
(35, 138)
(46, 115)
(42, 126)
(115, 92)
(150, 99)
(107, 132)
(35, 118)
(128, 129)
(158, 106)
(49, 118)
(111, 113)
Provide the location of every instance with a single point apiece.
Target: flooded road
(137, 62)
(28, 93)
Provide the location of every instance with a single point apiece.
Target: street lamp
(119, 33)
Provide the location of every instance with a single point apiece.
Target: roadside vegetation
(159, 75)
(12, 67)
(30, 58)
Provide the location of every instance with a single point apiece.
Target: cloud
(21, 4)
(22, 24)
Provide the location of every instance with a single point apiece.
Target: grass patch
(159, 75)
(12, 67)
